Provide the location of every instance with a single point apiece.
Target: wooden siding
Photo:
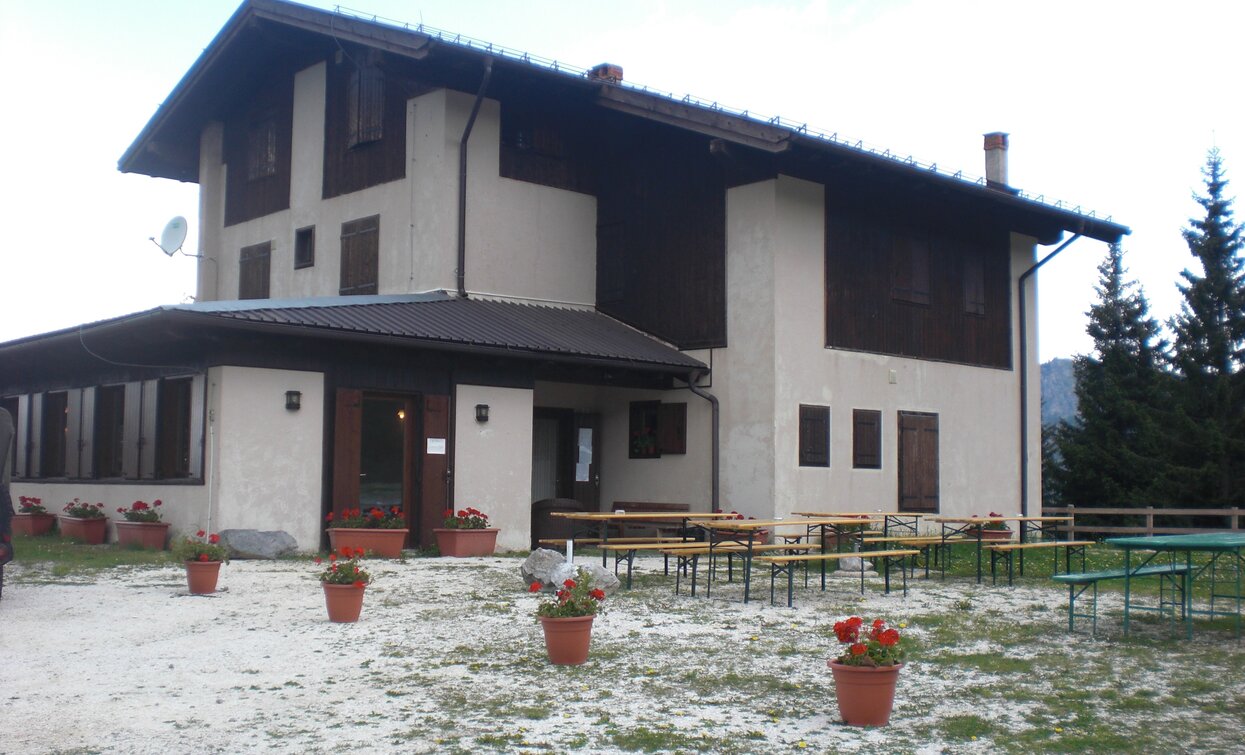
(546, 143)
(661, 235)
(918, 287)
(380, 158)
(251, 189)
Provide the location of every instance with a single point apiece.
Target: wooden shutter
(866, 439)
(918, 462)
(672, 428)
(360, 252)
(198, 408)
(21, 419)
(35, 443)
(149, 401)
(347, 445)
(814, 436)
(86, 433)
(132, 431)
(254, 266)
(365, 97)
(434, 475)
(75, 439)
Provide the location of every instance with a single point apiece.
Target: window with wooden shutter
(254, 266)
(918, 462)
(365, 98)
(910, 269)
(261, 148)
(866, 439)
(54, 429)
(974, 286)
(672, 428)
(109, 431)
(360, 256)
(173, 408)
(814, 436)
(642, 430)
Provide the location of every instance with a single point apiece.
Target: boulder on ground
(248, 544)
(550, 569)
(538, 566)
(601, 577)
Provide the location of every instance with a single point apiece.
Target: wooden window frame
(365, 103)
(174, 421)
(814, 441)
(261, 148)
(53, 434)
(360, 254)
(866, 439)
(305, 247)
(108, 432)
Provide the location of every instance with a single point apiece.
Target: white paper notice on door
(436, 446)
(581, 473)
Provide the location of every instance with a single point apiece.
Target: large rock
(246, 544)
(601, 577)
(540, 565)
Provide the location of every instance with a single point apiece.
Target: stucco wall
(523, 240)
(493, 460)
(266, 461)
(673, 478)
(775, 280)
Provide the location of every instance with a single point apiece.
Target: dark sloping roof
(168, 144)
(439, 321)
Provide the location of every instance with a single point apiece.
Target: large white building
(436, 274)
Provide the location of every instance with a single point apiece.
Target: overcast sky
(1111, 106)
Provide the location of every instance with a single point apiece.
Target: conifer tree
(1209, 352)
(1113, 455)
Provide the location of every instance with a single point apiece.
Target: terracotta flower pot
(567, 639)
(33, 524)
(866, 694)
(381, 543)
(89, 531)
(463, 543)
(344, 602)
(996, 534)
(201, 576)
(150, 535)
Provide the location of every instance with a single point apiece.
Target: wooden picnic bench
(1006, 552)
(657, 528)
(787, 564)
(922, 543)
(1167, 574)
(690, 553)
(597, 541)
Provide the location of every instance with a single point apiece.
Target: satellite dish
(173, 236)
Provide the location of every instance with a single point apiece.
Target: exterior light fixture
(481, 412)
(293, 400)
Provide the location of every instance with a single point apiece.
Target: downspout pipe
(715, 464)
(1024, 375)
(461, 272)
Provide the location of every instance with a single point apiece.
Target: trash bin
(545, 526)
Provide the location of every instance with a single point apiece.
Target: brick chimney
(996, 160)
(606, 72)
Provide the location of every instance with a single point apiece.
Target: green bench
(1167, 574)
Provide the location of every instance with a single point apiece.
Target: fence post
(1071, 511)
(1149, 520)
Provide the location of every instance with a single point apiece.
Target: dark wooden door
(434, 475)
(918, 462)
(347, 448)
(587, 457)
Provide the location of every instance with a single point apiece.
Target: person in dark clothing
(6, 500)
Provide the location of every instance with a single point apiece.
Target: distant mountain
(1058, 391)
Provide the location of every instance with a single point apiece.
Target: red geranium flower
(214, 538)
(597, 593)
(859, 648)
(200, 533)
(534, 587)
(204, 557)
(569, 584)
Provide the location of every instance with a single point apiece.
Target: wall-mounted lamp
(481, 412)
(293, 400)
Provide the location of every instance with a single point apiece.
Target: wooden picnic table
(603, 520)
(974, 526)
(906, 520)
(720, 531)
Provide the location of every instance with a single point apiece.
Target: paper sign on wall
(436, 446)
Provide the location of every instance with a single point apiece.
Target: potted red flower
(142, 527)
(866, 671)
(466, 533)
(84, 522)
(344, 580)
(202, 555)
(380, 531)
(993, 530)
(31, 518)
(567, 619)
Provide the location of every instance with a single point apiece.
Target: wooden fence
(1230, 518)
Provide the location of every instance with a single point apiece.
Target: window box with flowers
(344, 581)
(866, 671)
(380, 531)
(142, 527)
(466, 534)
(567, 619)
(31, 517)
(202, 555)
(84, 522)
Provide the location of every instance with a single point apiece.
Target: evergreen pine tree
(1209, 353)
(1112, 455)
